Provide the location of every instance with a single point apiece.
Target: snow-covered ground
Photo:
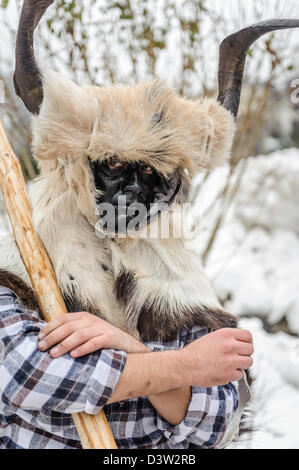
(274, 408)
(254, 265)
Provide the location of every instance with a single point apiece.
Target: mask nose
(133, 187)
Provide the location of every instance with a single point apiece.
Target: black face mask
(133, 194)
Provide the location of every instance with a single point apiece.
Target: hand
(83, 333)
(217, 358)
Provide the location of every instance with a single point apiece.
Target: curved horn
(232, 56)
(27, 77)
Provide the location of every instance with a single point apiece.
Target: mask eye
(115, 165)
(146, 169)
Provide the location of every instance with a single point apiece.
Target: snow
(274, 408)
(254, 262)
(254, 267)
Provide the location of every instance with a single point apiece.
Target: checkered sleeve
(208, 418)
(32, 380)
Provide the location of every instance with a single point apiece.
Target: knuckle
(68, 329)
(94, 342)
(247, 335)
(227, 347)
(61, 345)
(87, 317)
(80, 335)
(229, 332)
(248, 363)
(62, 318)
(77, 316)
(222, 332)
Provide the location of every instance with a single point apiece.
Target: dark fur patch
(73, 304)
(155, 324)
(24, 293)
(28, 298)
(125, 286)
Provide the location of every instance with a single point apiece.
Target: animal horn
(232, 56)
(27, 76)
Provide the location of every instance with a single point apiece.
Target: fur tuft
(24, 293)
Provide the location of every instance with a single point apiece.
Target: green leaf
(126, 16)
(160, 44)
(4, 3)
(69, 7)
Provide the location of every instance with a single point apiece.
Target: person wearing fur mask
(146, 338)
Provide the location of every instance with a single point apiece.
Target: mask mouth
(163, 203)
(127, 219)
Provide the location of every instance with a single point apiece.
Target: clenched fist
(218, 358)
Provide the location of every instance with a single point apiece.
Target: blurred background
(244, 216)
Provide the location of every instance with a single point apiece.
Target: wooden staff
(94, 431)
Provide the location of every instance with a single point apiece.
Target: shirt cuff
(104, 379)
(209, 414)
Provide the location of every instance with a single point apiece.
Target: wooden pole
(94, 431)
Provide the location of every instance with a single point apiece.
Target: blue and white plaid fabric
(39, 393)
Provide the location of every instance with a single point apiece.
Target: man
(164, 396)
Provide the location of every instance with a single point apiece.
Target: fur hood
(148, 123)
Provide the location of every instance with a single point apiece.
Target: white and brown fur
(150, 287)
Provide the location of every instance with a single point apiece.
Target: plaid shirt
(39, 393)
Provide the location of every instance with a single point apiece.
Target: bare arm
(172, 405)
(206, 362)
(162, 389)
(165, 377)
(147, 374)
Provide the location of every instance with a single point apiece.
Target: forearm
(172, 405)
(149, 374)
